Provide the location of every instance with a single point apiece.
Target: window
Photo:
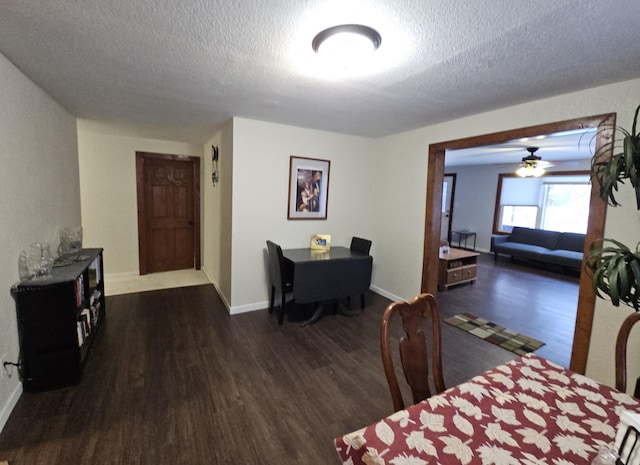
(518, 215)
(566, 207)
(556, 202)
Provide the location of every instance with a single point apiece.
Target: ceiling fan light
(530, 171)
(522, 172)
(530, 168)
(538, 171)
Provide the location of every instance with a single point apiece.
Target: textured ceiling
(179, 68)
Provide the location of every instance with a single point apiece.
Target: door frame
(595, 229)
(141, 157)
(454, 177)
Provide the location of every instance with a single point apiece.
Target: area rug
(495, 334)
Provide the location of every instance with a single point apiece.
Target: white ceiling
(179, 68)
(560, 149)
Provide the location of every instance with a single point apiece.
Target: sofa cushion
(571, 241)
(532, 252)
(539, 237)
(566, 258)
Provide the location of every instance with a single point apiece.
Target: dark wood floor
(539, 302)
(173, 379)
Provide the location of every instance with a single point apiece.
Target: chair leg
(273, 297)
(362, 301)
(283, 303)
(281, 311)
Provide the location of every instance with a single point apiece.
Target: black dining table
(326, 276)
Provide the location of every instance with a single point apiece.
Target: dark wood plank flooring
(173, 379)
(540, 302)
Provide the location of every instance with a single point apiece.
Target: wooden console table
(456, 267)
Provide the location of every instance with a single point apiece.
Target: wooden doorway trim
(141, 157)
(595, 228)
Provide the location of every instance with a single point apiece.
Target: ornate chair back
(621, 354)
(414, 357)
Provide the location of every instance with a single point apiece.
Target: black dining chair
(363, 246)
(280, 277)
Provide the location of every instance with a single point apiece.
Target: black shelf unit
(58, 319)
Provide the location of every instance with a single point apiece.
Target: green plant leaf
(615, 272)
(635, 120)
(634, 265)
(617, 160)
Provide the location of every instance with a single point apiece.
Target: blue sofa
(552, 247)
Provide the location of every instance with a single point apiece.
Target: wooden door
(168, 212)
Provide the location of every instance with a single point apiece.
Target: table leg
(338, 307)
(317, 314)
(342, 310)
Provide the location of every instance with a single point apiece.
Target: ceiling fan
(532, 165)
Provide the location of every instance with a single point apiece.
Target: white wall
(216, 213)
(402, 195)
(40, 193)
(623, 224)
(108, 190)
(475, 201)
(400, 202)
(261, 154)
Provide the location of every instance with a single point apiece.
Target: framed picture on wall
(308, 188)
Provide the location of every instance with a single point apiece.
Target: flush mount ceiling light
(346, 42)
(530, 166)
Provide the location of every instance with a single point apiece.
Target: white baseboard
(121, 276)
(386, 294)
(262, 305)
(8, 407)
(220, 294)
(248, 308)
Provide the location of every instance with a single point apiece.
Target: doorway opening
(595, 230)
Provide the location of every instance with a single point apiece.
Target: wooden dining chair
(363, 246)
(414, 356)
(280, 277)
(621, 354)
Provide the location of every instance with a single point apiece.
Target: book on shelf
(80, 333)
(99, 268)
(95, 313)
(80, 290)
(86, 318)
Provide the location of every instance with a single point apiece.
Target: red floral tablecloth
(529, 411)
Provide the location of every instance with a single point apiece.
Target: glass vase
(40, 261)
